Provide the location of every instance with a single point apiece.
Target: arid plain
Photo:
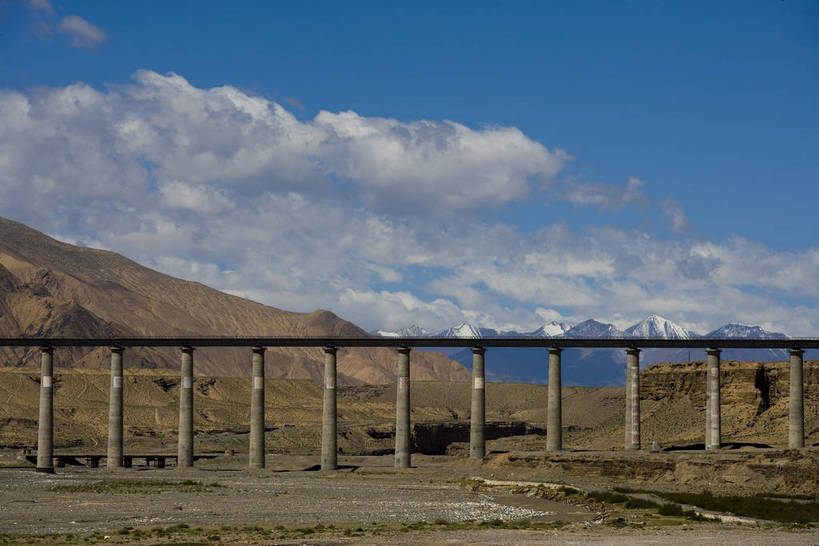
(518, 493)
(592, 491)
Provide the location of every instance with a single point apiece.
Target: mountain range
(592, 367)
(50, 288)
(654, 326)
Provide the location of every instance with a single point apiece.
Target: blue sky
(611, 148)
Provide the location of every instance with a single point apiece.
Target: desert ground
(442, 499)
(757, 490)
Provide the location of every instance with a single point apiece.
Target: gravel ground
(368, 491)
(372, 494)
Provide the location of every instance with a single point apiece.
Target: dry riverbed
(440, 500)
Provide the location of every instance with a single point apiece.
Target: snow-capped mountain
(463, 330)
(593, 328)
(740, 330)
(551, 329)
(591, 367)
(656, 326)
(409, 331)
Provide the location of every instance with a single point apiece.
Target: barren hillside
(49, 288)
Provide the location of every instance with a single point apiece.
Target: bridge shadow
(725, 445)
(317, 467)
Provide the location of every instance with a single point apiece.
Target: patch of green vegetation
(566, 490)
(606, 497)
(129, 487)
(635, 503)
(183, 534)
(673, 509)
(791, 497)
(471, 483)
(761, 505)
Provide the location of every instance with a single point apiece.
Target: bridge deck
(565, 342)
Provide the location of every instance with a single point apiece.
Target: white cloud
(83, 34)
(42, 6)
(675, 214)
(606, 196)
(234, 191)
(176, 194)
(441, 165)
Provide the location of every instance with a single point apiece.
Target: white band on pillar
(403, 383)
(258, 382)
(330, 383)
(187, 382)
(46, 381)
(479, 382)
(116, 382)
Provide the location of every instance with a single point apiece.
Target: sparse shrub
(633, 503)
(607, 497)
(670, 509)
(757, 506)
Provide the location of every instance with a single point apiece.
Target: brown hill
(49, 288)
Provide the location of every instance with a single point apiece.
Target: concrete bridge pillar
(402, 410)
(713, 435)
(329, 415)
(256, 452)
(554, 408)
(115, 424)
(185, 445)
(632, 429)
(45, 426)
(477, 419)
(796, 417)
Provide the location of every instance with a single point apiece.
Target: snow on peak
(656, 326)
(409, 331)
(551, 329)
(741, 330)
(413, 331)
(463, 330)
(594, 329)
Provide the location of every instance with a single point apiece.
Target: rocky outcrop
(784, 471)
(754, 399)
(759, 385)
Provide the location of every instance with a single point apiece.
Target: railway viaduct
(477, 448)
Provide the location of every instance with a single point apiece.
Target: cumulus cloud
(162, 128)
(82, 33)
(606, 196)
(376, 219)
(176, 194)
(675, 214)
(442, 165)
